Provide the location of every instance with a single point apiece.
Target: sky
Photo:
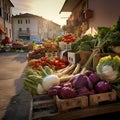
(48, 9)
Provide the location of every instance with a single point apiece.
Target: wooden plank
(67, 104)
(86, 112)
(95, 99)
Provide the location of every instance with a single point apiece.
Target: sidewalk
(13, 98)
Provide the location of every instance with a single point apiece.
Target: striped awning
(2, 31)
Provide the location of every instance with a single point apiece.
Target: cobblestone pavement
(12, 66)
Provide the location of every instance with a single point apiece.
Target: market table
(91, 111)
(21, 109)
(53, 113)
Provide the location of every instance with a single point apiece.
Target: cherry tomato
(57, 58)
(64, 60)
(56, 62)
(63, 66)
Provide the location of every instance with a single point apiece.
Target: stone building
(32, 27)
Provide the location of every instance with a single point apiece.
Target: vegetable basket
(43, 105)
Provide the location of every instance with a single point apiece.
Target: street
(12, 66)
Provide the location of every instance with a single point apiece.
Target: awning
(2, 29)
(69, 5)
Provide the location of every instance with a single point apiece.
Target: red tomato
(57, 58)
(43, 63)
(64, 60)
(51, 62)
(63, 66)
(56, 62)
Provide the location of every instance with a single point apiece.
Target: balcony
(24, 33)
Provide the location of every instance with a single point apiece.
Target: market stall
(80, 80)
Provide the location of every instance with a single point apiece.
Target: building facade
(32, 27)
(5, 18)
(91, 13)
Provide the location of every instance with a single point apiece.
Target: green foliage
(85, 43)
(102, 31)
(113, 39)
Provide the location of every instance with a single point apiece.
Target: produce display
(55, 62)
(68, 38)
(86, 43)
(80, 85)
(38, 51)
(41, 50)
(57, 76)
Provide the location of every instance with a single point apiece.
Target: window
(19, 21)
(20, 29)
(27, 21)
(28, 29)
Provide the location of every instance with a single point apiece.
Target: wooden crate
(42, 101)
(43, 105)
(95, 99)
(69, 104)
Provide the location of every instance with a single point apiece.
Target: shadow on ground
(18, 56)
(19, 107)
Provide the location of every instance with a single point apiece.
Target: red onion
(102, 87)
(67, 92)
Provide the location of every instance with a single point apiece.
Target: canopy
(69, 5)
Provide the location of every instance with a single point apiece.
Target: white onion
(50, 81)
